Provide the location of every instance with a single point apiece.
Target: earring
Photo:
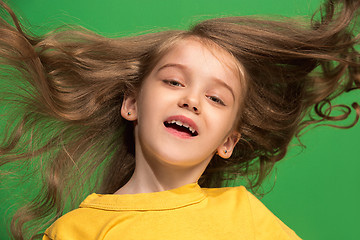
(129, 113)
(225, 151)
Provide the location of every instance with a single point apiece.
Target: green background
(317, 189)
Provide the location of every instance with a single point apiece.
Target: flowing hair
(64, 116)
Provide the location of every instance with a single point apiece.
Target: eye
(216, 100)
(173, 83)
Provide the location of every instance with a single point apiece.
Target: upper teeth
(177, 122)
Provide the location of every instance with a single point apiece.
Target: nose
(190, 103)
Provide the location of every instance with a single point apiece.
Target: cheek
(147, 99)
(152, 104)
(221, 123)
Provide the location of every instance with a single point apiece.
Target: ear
(129, 109)
(225, 150)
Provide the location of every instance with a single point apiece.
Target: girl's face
(193, 87)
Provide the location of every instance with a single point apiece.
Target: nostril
(190, 107)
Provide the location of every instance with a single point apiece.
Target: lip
(185, 120)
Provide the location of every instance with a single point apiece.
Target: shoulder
(70, 226)
(81, 223)
(267, 222)
(262, 220)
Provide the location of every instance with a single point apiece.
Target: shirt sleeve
(267, 224)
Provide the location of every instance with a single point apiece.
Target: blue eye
(173, 83)
(216, 100)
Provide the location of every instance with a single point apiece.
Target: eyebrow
(222, 83)
(183, 67)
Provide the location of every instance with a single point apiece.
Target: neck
(151, 175)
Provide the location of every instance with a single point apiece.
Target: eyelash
(171, 83)
(216, 100)
(175, 83)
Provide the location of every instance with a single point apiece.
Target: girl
(174, 110)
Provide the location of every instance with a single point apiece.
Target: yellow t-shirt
(187, 212)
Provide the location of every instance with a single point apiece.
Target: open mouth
(181, 128)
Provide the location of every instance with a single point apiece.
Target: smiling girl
(165, 120)
(185, 112)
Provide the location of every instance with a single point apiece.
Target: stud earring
(129, 113)
(225, 151)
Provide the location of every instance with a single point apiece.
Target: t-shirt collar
(170, 199)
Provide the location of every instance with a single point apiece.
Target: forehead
(205, 59)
